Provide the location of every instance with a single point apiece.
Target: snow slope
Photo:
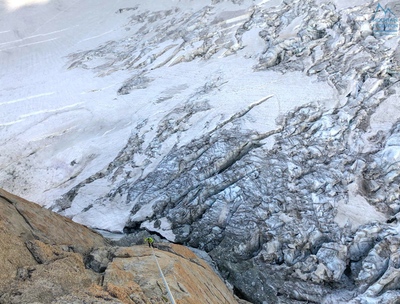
(62, 124)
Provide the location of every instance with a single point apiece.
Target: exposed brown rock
(189, 278)
(43, 256)
(25, 225)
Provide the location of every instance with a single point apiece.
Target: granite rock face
(46, 258)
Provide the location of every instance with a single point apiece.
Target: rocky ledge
(47, 258)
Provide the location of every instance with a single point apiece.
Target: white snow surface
(60, 125)
(356, 211)
(52, 116)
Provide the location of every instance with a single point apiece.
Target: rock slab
(47, 258)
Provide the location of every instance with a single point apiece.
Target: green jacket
(149, 240)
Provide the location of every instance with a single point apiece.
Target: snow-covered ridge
(265, 133)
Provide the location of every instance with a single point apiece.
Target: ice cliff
(265, 133)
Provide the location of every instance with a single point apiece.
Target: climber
(149, 241)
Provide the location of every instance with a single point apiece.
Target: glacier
(265, 133)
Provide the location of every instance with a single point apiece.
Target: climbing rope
(171, 298)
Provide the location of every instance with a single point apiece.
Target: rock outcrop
(47, 258)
